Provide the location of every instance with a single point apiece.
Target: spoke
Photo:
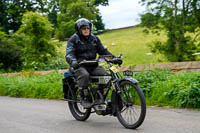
(127, 116)
(134, 116)
(131, 116)
(134, 110)
(124, 109)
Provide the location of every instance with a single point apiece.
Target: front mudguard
(134, 81)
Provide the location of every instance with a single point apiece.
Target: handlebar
(88, 62)
(107, 58)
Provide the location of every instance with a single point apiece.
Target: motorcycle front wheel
(131, 110)
(76, 109)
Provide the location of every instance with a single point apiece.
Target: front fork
(118, 94)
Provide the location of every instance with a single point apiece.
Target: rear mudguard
(68, 85)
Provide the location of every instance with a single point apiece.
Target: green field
(132, 43)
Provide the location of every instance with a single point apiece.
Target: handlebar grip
(116, 61)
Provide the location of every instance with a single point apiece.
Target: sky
(121, 13)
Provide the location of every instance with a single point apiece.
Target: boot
(84, 98)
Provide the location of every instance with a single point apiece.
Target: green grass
(132, 43)
(32, 86)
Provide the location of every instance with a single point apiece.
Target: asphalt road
(19, 115)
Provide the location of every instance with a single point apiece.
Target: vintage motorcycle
(121, 95)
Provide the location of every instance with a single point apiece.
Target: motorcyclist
(84, 45)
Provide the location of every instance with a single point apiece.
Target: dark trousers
(82, 75)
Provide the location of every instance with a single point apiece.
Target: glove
(75, 65)
(117, 61)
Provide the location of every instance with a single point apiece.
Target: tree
(98, 23)
(38, 29)
(72, 10)
(11, 12)
(180, 20)
(101, 2)
(65, 29)
(53, 9)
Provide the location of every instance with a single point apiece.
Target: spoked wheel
(77, 110)
(131, 109)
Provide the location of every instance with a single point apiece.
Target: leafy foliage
(164, 88)
(65, 29)
(101, 2)
(37, 29)
(99, 25)
(73, 10)
(11, 12)
(180, 21)
(53, 9)
(147, 78)
(10, 53)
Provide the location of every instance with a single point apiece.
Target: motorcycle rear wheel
(76, 109)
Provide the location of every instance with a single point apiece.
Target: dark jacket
(79, 48)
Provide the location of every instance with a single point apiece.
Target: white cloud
(121, 13)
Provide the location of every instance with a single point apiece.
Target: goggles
(85, 28)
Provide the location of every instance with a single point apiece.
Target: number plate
(114, 69)
(128, 73)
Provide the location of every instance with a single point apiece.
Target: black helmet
(81, 23)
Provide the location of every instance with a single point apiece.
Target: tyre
(131, 110)
(76, 109)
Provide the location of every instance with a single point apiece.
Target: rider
(84, 45)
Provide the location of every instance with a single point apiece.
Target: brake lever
(120, 56)
(82, 62)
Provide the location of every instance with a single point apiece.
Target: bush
(190, 97)
(2, 35)
(65, 30)
(55, 63)
(164, 88)
(148, 78)
(10, 55)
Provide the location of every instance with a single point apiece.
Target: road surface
(20, 115)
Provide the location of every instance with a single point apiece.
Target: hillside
(132, 43)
